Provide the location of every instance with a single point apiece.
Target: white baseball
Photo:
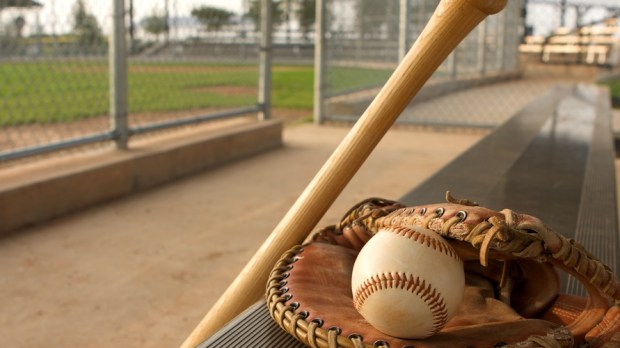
(407, 282)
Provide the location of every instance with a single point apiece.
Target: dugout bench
(554, 160)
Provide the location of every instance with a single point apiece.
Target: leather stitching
(407, 282)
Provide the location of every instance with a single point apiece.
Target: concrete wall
(36, 194)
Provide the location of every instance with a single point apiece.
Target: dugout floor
(142, 271)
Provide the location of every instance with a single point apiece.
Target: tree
(212, 18)
(155, 24)
(307, 15)
(19, 23)
(255, 15)
(85, 26)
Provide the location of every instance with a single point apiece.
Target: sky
(545, 17)
(55, 15)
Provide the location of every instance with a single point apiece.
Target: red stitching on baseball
(415, 285)
(436, 244)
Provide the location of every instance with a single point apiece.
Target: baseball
(407, 282)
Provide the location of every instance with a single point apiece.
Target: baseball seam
(431, 297)
(434, 243)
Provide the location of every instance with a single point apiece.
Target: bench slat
(597, 224)
(553, 160)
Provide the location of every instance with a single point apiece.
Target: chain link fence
(364, 41)
(55, 73)
(185, 61)
(173, 66)
(362, 50)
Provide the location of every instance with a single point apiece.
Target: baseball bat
(450, 23)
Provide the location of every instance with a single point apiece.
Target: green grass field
(62, 91)
(614, 88)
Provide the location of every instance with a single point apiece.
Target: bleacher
(592, 45)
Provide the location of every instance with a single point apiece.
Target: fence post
(453, 64)
(403, 28)
(265, 55)
(118, 75)
(482, 50)
(501, 41)
(319, 61)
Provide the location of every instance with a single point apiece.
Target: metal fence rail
(89, 71)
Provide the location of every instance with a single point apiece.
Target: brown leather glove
(511, 296)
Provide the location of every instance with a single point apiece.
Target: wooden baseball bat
(451, 22)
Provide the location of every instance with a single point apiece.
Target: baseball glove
(511, 297)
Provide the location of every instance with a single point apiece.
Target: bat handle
(451, 22)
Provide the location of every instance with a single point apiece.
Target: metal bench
(554, 160)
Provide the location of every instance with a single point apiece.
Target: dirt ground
(142, 271)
